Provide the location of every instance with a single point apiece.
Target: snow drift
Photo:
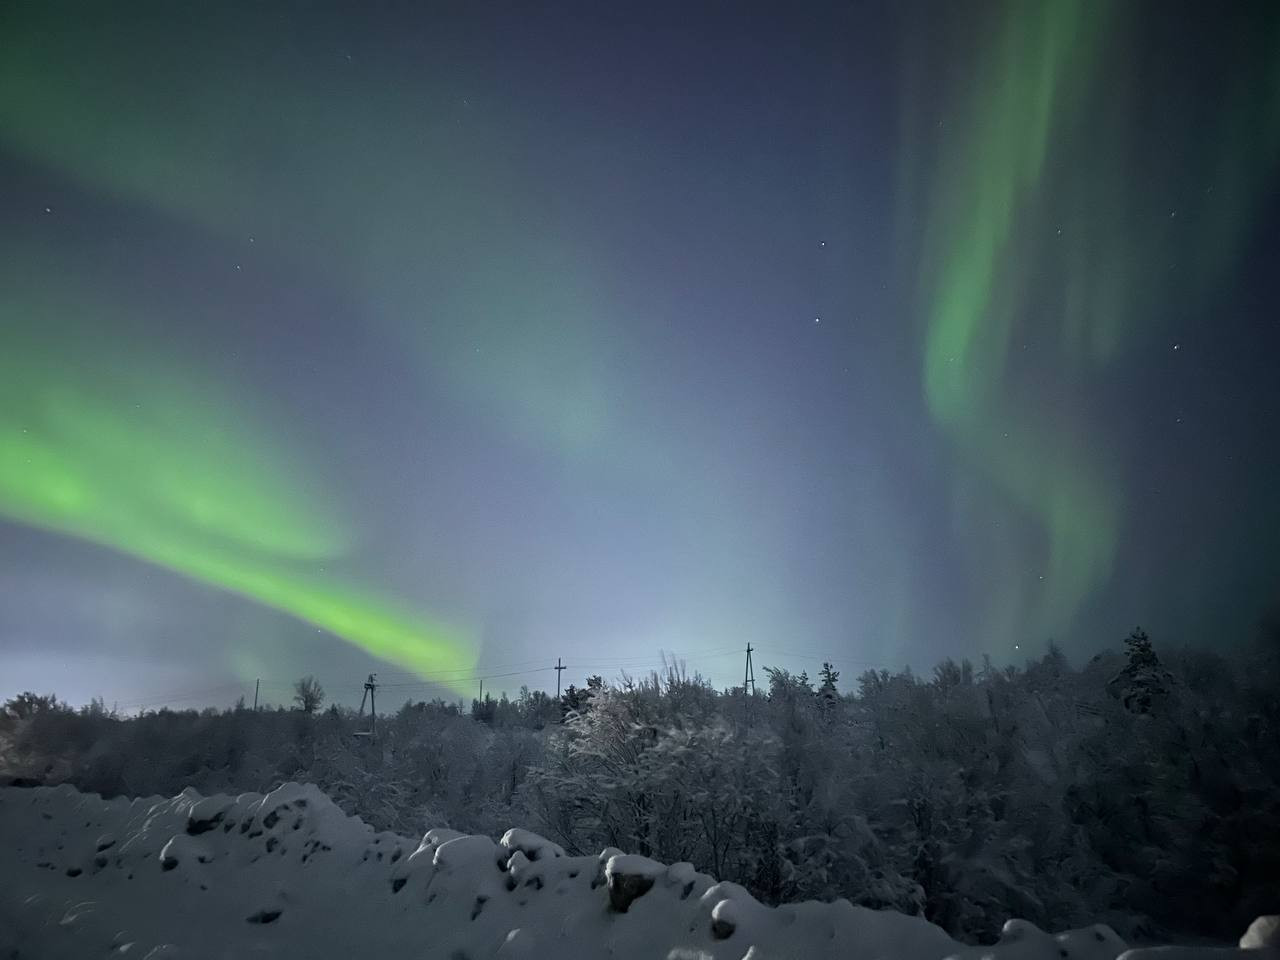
(289, 875)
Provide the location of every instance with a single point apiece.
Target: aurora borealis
(446, 342)
(165, 471)
(1027, 236)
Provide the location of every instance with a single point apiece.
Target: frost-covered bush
(708, 794)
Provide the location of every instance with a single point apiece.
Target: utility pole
(559, 668)
(482, 691)
(256, 683)
(370, 689)
(748, 686)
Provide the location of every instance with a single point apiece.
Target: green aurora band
(1018, 214)
(169, 473)
(1042, 207)
(78, 94)
(376, 177)
(372, 178)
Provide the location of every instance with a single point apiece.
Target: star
(817, 319)
(1177, 346)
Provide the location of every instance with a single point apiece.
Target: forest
(1140, 789)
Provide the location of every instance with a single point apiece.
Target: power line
(498, 671)
(641, 661)
(162, 699)
(450, 677)
(827, 658)
(471, 679)
(462, 671)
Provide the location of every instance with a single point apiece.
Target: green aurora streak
(367, 176)
(169, 473)
(374, 176)
(1019, 210)
(1041, 203)
(79, 95)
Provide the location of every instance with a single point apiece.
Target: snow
(289, 875)
(530, 844)
(1032, 943)
(630, 865)
(1263, 932)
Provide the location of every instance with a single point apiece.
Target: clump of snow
(287, 874)
(530, 844)
(724, 920)
(1262, 933)
(1098, 942)
(633, 865)
(630, 876)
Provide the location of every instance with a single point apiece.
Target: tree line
(1140, 789)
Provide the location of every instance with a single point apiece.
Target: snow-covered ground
(289, 875)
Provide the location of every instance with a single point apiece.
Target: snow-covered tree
(1143, 684)
(308, 694)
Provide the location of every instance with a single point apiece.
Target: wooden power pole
(370, 690)
(256, 683)
(748, 686)
(559, 667)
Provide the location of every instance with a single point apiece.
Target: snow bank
(289, 875)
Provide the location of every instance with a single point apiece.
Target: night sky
(445, 340)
